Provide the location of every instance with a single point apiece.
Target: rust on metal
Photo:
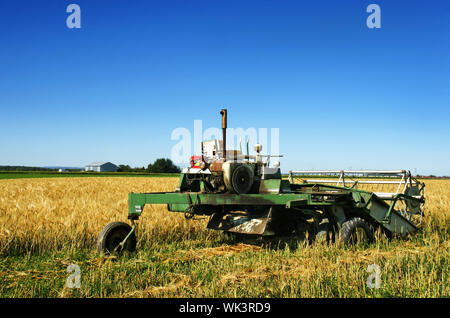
(223, 112)
(216, 166)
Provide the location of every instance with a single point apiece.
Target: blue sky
(343, 95)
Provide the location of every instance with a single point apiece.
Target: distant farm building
(102, 167)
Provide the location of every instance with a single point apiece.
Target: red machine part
(195, 161)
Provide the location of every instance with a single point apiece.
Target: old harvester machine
(244, 196)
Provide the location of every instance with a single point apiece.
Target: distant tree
(163, 165)
(124, 168)
(160, 165)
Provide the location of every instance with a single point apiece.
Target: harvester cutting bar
(359, 181)
(344, 178)
(397, 186)
(360, 172)
(382, 195)
(404, 175)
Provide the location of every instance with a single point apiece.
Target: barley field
(47, 224)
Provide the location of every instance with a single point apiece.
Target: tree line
(161, 165)
(24, 168)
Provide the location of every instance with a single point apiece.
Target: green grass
(205, 266)
(52, 174)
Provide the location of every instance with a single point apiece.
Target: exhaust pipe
(223, 112)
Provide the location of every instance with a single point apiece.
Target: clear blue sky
(343, 95)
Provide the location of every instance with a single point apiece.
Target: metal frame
(310, 196)
(403, 178)
(285, 202)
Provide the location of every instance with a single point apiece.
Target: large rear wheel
(355, 231)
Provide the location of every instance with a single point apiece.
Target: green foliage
(124, 168)
(127, 168)
(163, 165)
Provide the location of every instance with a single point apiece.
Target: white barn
(101, 167)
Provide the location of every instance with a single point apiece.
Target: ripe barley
(50, 213)
(37, 214)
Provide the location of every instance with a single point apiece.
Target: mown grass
(46, 225)
(210, 268)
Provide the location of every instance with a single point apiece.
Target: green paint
(341, 202)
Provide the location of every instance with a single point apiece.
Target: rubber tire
(349, 227)
(325, 233)
(112, 235)
(238, 173)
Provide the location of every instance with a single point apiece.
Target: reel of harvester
(243, 196)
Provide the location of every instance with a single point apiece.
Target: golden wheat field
(41, 216)
(48, 213)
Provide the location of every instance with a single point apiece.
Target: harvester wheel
(242, 179)
(325, 233)
(112, 235)
(356, 230)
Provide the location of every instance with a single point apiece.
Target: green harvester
(245, 197)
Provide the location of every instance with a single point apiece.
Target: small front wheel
(112, 235)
